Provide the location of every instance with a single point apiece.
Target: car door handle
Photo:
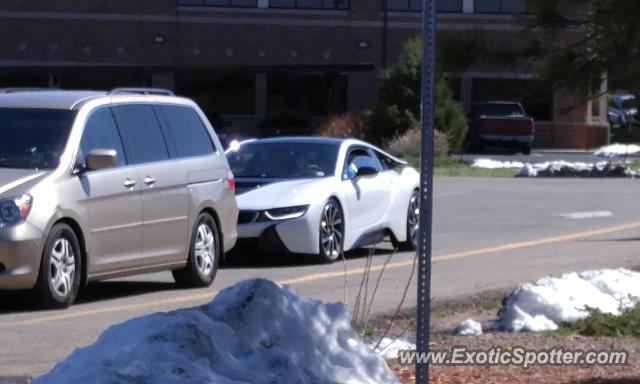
(129, 183)
(149, 180)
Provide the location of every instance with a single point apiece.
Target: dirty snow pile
(544, 305)
(558, 168)
(253, 332)
(495, 164)
(388, 347)
(469, 327)
(573, 169)
(615, 150)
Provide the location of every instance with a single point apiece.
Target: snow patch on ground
(559, 168)
(552, 300)
(469, 327)
(390, 347)
(495, 164)
(615, 150)
(253, 332)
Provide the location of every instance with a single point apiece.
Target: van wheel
(60, 270)
(204, 255)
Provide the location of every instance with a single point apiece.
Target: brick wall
(570, 135)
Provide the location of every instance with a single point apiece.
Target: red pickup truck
(500, 123)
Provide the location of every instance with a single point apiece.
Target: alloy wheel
(205, 251)
(413, 218)
(62, 267)
(331, 231)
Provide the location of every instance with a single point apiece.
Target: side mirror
(101, 159)
(366, 171)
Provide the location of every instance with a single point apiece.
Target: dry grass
(408, 144)
(342, 125)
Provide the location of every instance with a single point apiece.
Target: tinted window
(359, 158)
(100, 132)
(186, 130)
(283, 160)
(33, 138)
(141, 133)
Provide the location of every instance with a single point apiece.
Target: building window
(310, 4)
(442, 6)
(501, 6)
(221, 3)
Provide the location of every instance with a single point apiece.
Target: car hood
(267, 194)
(17, 181)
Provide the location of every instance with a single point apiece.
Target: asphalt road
(488, 234)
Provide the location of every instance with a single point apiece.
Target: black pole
(385, 34)
(426, 185)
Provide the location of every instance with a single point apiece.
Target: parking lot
(489, 234)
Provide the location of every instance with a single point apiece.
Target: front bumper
(20, 251)
(298, 235)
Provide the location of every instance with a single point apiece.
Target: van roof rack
(141, 91)
(25, 89)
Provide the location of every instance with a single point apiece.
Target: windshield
(629, 103)
(501, 110)
(33, 138)
(286, 160)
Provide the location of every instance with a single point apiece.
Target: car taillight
(231, 181)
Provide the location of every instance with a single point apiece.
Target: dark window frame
(323, 8)
(501, 11)
(203, 4)
(408, 9)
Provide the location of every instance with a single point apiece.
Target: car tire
(331, 232)
(526, 149)
(413, 224)
(60, 272)
(204, 255)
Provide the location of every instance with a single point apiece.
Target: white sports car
(320, 196)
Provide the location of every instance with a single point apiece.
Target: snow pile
(542, 306)
(389, 348)
(495, 164)
(573, 169)
(469, 327)
(615, 150)
(253, 332)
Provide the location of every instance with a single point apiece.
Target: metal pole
(426, 184)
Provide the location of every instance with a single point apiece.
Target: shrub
(603, 324)
(342, 125)
(408, 144)
(399, 107)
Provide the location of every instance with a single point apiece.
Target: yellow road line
(330, 275)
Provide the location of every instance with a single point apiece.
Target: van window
(141, 133)
(101, 132)
(186, 130)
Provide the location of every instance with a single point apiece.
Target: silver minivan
(95, 185)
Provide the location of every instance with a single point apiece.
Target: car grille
(246, 217)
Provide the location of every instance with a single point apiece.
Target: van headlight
(286, 213)
(16, 209)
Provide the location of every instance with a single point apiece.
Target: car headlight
(16, 209)
(286, 213)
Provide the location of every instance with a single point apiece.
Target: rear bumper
(20, 251)
(522, 139)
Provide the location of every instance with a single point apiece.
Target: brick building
(246, 58)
